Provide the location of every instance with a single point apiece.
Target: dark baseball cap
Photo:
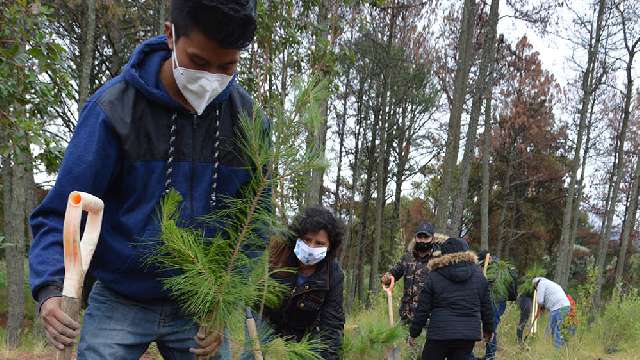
(425, 228)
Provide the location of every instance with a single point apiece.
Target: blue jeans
(115, 327)
(555, 325)
(492, 346)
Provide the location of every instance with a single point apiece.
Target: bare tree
(483, 87)
(86, 52)
(631, 38)
(629, 224)
(565, 250)
(464, 60)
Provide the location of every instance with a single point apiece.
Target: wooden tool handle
(390, 306)
(253, 334)
(486, 264)
(202, 333)
(71, 307)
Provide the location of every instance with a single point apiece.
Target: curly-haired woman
(314, 303)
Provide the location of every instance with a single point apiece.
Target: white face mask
(198, 87)
(309, 255)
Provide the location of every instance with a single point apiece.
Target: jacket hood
(456, 267)
(437, 239)
(143, 72)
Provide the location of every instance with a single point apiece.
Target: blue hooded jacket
(119, 152)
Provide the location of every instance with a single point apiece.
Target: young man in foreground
(169, 120)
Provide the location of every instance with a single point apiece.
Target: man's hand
(411, 341)
(387, 278)
(61, 329)
(488, 336)
(208, 345)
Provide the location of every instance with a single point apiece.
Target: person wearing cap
(413, 267)
(170, 120)
(455, 302)
(499, 302)
(551, 296)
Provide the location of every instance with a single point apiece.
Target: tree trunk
(464, 56)
(503, 210)
(380, 194)
(86, 57)
(629, 224)
(342, 126)
(356, 174)
(314, 192)
(565, 251)
(604, 241)
(404, 146)
(160, 16)
(484, 85)
(363, 215)
(486, 155)
(13, 177)
(580, 189)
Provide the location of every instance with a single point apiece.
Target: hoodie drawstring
(172, 150)
(216, 157)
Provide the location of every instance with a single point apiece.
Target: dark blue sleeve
(89, 164)
(423, 311)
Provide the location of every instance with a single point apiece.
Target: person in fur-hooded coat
(456, 301)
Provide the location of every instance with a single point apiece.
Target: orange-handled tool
(78, 252)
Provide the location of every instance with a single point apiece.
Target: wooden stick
(389, 290)
(253, 334)
(486, 264)
(78, 253)
(202, 333)
(534, 311)
(71, 307)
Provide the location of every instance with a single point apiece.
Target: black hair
(316, 218)
(232, 24)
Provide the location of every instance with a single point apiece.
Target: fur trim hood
(437, 239)
(452, 259)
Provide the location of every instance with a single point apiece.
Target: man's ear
(169, 34)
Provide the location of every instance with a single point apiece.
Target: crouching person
(455, 299)
(313, 305)
(552, 297)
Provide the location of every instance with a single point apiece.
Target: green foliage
(526, 282)
(289, 128)
(585, 293)
(619, 324)
(33, 76)
(280, 348)
(368, 333)
(499, 274)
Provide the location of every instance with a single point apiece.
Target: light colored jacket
(550, 295)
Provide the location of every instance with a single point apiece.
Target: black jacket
(314, 308)
(456, 300)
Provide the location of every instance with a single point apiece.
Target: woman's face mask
(309, 255)
(198, 87)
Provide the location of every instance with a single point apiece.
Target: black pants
(525, 303)
(447, 349)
